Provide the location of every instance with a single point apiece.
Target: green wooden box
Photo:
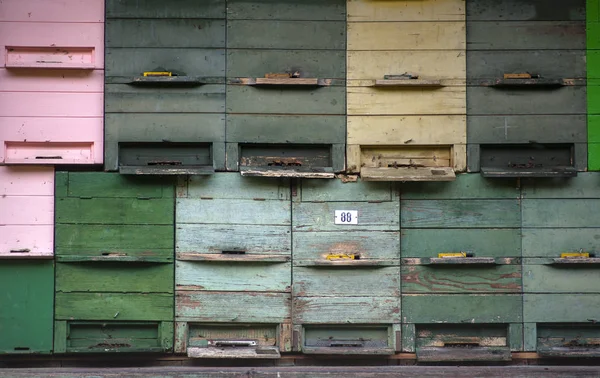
(27, 306)
(367, 339)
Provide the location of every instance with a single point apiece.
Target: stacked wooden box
(464, 308)
(403, 128)
(346, 271)
(165, 124)
(114, 270)
(233, 270)
(531, 123)
(292, 123)
(560, 294)
(593, 83)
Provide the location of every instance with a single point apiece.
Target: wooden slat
(286, 10)
(111, 185)
(347, 310)
(104, 306)
(587, 185)
(465, 187)
(157, 9)
(382, 216)
(419, 36)
(248, 212)
(348, 281)
(552, 10)
(381, 10)
(338, 191)
(408, 174)
(232, 186)
(550, 213)
(114, 211)
(560, 279)
(561, 308)
(551, 242)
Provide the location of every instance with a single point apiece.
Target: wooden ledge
(166, 170)
(463, 261)
(167, 81)
(576, 261)
(316, 173)
(460, 354)
(25, 256)
(408, 174)
(348, 351)
(51, 65)
(287, 82)
(408, 83)
(529, 172)
(243, 258)
(237, 352)
(345, 263)
(545, 83)
(114, 258)
(569, 352)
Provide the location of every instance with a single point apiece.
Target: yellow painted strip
(568, 255)
(452, 254)
(154, 73)
(341, 256)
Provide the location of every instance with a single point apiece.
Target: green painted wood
(369, 337)
(160, 9)
(585, 185)
(132, 62)
(593, 128)
(593, 93)
(60, 336)
(592, 11)
(531, 10)
(200, 334)
(113, 337)
(272, 34)
(462, 308)
(234, 186)
(428, 279)
(109, 277)
(555, 279)
(424, 243)
(544, 213)
(551, 242)
(593, 57)
(26, 306)
(332, 10)
(323, 64)
(114, 306)
(561, 308)
(121, 98)
(309, 247)
(594, 157)
(465, 187)
(232, 211)
(460, 214)
(549, 63)
(114, 211)
(111, 185)
(338, 191)
(314, 216)
(346, 282)
(165, 33)
(232, 307)
(435, 335)
(237, 276)
(346, 310)
(306, 129)
(255, 100)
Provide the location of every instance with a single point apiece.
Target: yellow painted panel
(407, 10)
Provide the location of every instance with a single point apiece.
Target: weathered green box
(171, 124)
(26, 308)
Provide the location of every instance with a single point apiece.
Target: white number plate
(346, 217)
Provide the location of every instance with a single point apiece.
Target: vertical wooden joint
(408, 338)
(396, 337)
(530, 337)
(182, 186)
(515, 337)
(166, 335)
(297, 338)
(286, 337)
(181, 337)
(60, 336)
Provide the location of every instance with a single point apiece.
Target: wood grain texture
(314, 216)
(233, 277)
(233, 186)
(323, 64)
(460, 214)
(111, 185)
(551, 242)
(232, 307)
(554, 279)
(382, 10)
(338, 191)
(586, 185)
(465, 187)
(239, 212)
(560, 308)
(346, 282)
(551, 213)
(114, 211)
(158, 9)
(462, 308)
(312, 10)
(514, 10)
(413, 36)
(346, 310)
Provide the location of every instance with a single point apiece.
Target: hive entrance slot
(24, 250)
(233, 343)
(168, 163)
(48, 157)
(461, 345)
(21, 349)
(233, 252)
(346, 344)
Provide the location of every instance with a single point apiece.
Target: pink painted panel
(27, 210)
(49, 104)
(61, 35)
(79, 131)
(16, 240)
(51, 81)
(29, 181)
(50, 57)
(52, 10)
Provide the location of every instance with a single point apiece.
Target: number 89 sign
(346, 217)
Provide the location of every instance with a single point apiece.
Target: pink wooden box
(51, 81)
(26, 212)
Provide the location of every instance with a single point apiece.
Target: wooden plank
(462, 308)
(232, 307)
(423, 243)
(171, 32)
(458, 354)
(80, 81)
(158, 9)
(113, 306)
(42, 11)
(381, 10)
(350, 282)
(309, 63)
(232, 211)
(112, 185)
(370, 245)
(525, 128)
(346, 310)
(586, 185)
(551, 242)
(253, 239)
(550, 213)
(560, 308)
(269, 34)
(27, 306)
(326, 100)
(286, 10)
(557, 279)
(410, 101)
(457, 279)
(408, 174)
(27, 210)
(48, 104)
(130, 62)
(381, 216)
(108, 277)
(489, 10)
(308, 129)
(114, 211)
(338, 191)
(489, 101)
(460, 214)
(232, 186)
(234, 257)
(230, 277)
(465, 187)
(26, 181)
(419, 36)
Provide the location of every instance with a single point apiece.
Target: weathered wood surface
(435, 10)
(407, 101)
(512, 10)
(346, 310)
(465, 187)
(238, 277)
(570, 213)
(525, 35)
(115, 211)
(419, 35)
(312, 216)
(111, 185)
(27, 306)
(113, 306)
(551, 242)
(559, 279)
(586, 185)
(461, 354)
(158, 9)
(232, 307)
(333, 10)
(460, 214)
(423, 243)
(346, 282)
(240, 212)
(561, 308)
(459, 279)
(339, 191)
(232, 186)
(462, 308)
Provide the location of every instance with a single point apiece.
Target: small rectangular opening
(113, 254)
(21, 349)
(286, 156)
(346, 344)
(527, 160)
(233, 252)
(24, 250)
(233, 343)
(165, 157)
(340, 337)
